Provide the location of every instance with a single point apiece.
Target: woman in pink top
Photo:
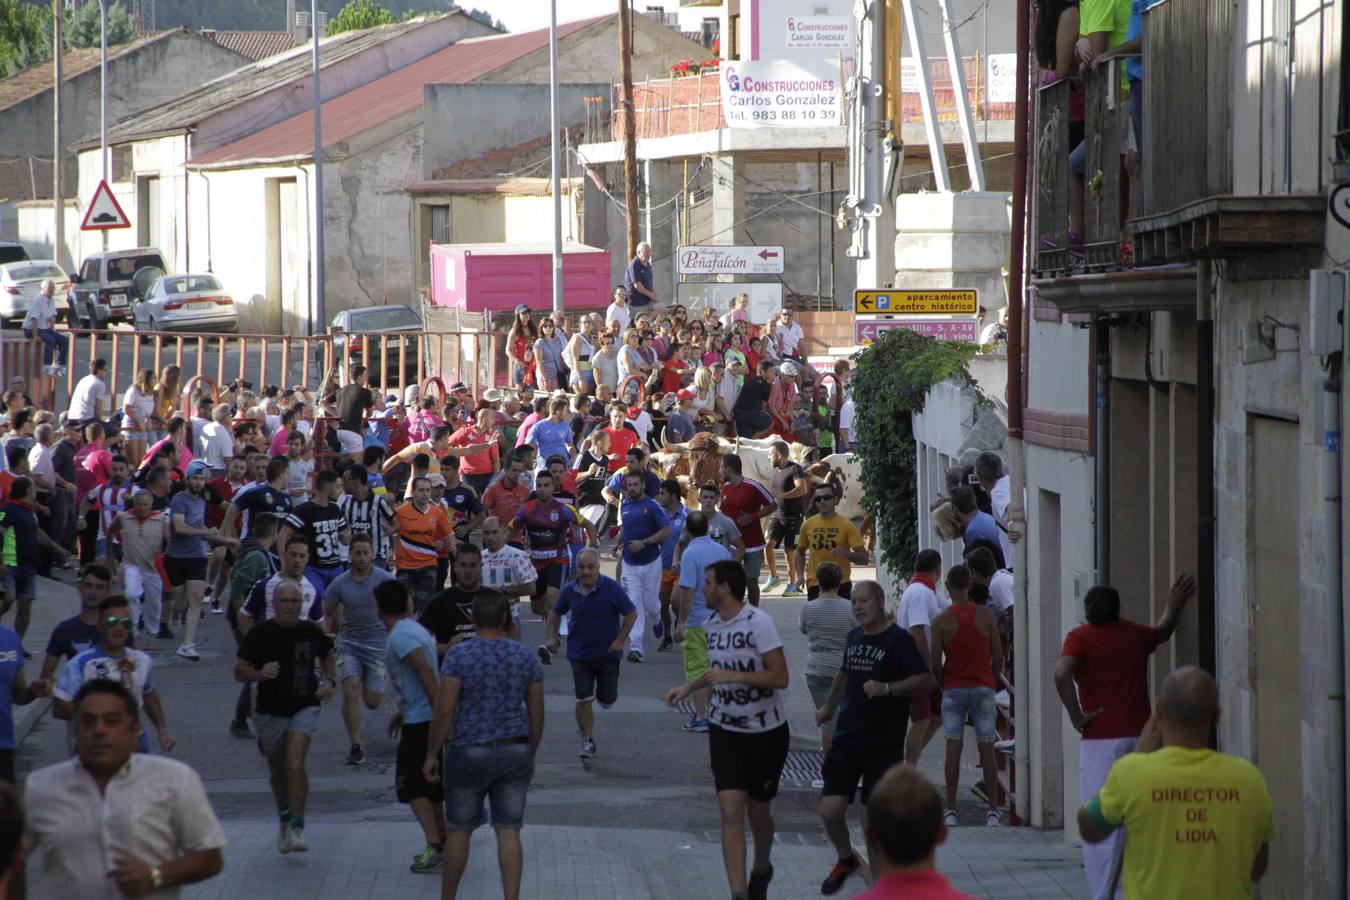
(178, 436)
(478, 468)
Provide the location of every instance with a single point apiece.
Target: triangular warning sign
(104, 211)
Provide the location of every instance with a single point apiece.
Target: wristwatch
(156, 878)
(890, 689)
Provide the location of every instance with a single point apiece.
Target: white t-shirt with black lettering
(740, 645)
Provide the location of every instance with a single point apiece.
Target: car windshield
(187, 284)
(121, 268)
(39, 270)
(383, 318)
(12, 253)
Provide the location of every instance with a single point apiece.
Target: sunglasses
(820, 497)
(114, 621)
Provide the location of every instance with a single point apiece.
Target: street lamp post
(103, 99)
(320, 315)
(555, 146)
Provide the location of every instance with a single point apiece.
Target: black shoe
(164, 631)
(634, 656)
(239, 728)
(759, 885)
(978, 790)
(357, 756)
(545, 656)
(838, 875)
(665, 645)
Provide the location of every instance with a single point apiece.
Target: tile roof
(36, 79)
(387, 98)
(254, 45)
(251, 80)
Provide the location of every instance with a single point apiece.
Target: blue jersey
(639, 521)
(11, 664)
(258, 499)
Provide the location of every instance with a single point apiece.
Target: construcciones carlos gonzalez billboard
(781, 94)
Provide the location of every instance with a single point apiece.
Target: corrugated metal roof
(254, 45)
(389, 97)
(252, 80)
(35, 79)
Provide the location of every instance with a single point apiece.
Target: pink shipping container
(495, 277)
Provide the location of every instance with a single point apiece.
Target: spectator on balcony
(1132, 51)
(637, 279)
(520, 347)
(1103, 25)
(1057, 27)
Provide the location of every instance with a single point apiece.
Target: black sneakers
(838, 875)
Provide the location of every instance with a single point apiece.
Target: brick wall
(826, 330)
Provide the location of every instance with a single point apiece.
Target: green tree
(84, 29)
(893, 377)
(25, 36)
(358, 15)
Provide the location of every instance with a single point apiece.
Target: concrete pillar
(658, 226)
(1185, 644)
(945, 240)
(728, 202)
(1129, 518)
(594, 214)
(1160, 458)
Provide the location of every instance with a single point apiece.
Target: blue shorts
(500, 773)
(753, 563)
(22, 585)
(356, 661)
(975, 702)
(322, 576)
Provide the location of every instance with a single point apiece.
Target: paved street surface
(641, 824)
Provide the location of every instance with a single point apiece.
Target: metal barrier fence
(394, 360)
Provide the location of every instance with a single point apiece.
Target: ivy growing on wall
(893, 375)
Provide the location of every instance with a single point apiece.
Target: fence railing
(394, 360)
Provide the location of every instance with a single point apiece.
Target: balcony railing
(1105, 128)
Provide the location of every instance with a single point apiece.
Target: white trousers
(145, 592)
(1095, 759)
(643, 584)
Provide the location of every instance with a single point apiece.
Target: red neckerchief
(925, 579)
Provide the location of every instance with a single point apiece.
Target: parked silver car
(186, 303)
(20, 282)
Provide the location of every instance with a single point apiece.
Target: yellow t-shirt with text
(819, 536)
(1194, 822)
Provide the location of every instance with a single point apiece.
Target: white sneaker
(188, 651)
(284, 844)
(949, 817)
(992, 819)
(298, 842)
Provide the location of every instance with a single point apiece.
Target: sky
(527, 15)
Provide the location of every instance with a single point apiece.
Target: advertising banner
(779, 94)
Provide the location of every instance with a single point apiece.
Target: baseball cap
(436, 479)
(492, 395)
(522, 307)
(685, 395)
(788, 369)
(197, 467)
(458, 386)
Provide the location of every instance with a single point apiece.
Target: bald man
(903, 828)
(1198, 822)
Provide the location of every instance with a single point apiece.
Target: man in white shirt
(848, 440)
(41, 323)
(919, 604)
(111, 820)
(788, 335)
(998, 484)
(618, 311)
(217, 441)
(505, 568)
(86, 401)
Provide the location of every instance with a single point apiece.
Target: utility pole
(320, 316)
(103, 101)
(59, 205)
(870, 150)
(630, 197)
(555, 116)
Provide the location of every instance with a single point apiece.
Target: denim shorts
(22, 585)
(501, 773)
(353, 660)
(975, 702)
(753, 563)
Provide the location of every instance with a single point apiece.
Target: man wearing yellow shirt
(828, 537)
(1198, 823)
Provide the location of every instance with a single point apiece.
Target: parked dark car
(106, 285)
(359, 337)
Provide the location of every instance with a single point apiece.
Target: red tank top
(969, 659)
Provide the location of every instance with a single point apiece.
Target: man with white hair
(40, 322)
(637, 279)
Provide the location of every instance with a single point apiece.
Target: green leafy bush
(893, 375)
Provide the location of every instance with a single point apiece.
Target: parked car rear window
(187, 284)
(12, 253)
(383, 318)
(22, 272)
(121, 268)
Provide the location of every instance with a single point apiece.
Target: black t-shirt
(321, 527)
(449, 614)
(63, 460)
(463, 503)
(891, 655)
(298, 649)
(784, 480)
(352, 402)
(754, 394)
(588, 489)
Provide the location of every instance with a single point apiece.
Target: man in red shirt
(903, 828)
(1108, 660)
(621, 436)
(505, 496)
(746, 502)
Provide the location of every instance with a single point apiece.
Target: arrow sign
(729, 259)
(104, 211)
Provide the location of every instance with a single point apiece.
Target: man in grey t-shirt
(720, 527)
(362, 638)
